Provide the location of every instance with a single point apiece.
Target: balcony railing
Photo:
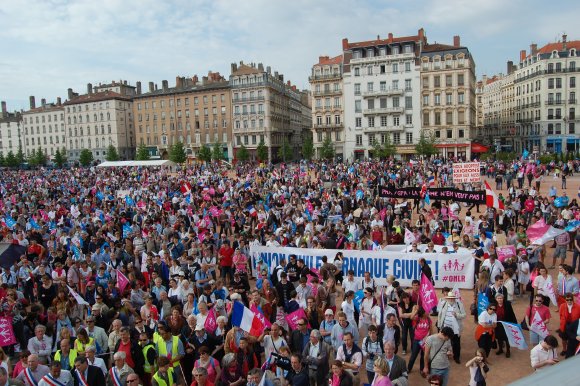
(248, 99)
(327, 92)
(325, 76)
(386, 110)
(328, 126)
(383, 92)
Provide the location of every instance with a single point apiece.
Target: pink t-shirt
(422, 328)
(542, 310)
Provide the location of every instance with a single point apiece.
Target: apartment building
(448, 103)
(381, 94)
(44, 128)
(11, 138)
(546, 101)
(263, 109)
(97, 120)
(194, 112)
(326, 86)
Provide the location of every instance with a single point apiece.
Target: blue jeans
(444, 373)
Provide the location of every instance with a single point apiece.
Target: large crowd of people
(119, 270)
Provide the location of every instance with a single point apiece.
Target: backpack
(367, 345)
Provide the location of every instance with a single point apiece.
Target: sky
(48, 46)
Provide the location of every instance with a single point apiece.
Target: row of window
(81, 131)
(327, 88)
(426, 81)
(250, 79)
(395, 103)
(448, 99)
(44, 118)
(382, 86)
(328, 120)
(448, 118)
(31, 141)
(327, 103)
(556, 129)
(384, 120)
(102, 105)
(394, 68)
(371, 52)
(205, 99)
(249, 124)
(553, 83)
(255, 139)
(180, 115)
(322, 136)
(102, 143)
(395, 139)
(437, 62)
(74, 119)
(179, 126)
(43, 129)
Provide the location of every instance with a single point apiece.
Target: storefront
(454, 150)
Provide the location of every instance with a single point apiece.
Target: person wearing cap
(451, 313)
(56, 376)
(326, 326)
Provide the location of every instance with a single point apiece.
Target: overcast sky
(48, 46)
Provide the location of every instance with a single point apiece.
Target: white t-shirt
(486, 318)
(348, 309)
(271, 346)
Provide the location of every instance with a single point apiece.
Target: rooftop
(96, 97)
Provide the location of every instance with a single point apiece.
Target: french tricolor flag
(431, 181)
(491, 199)
(245, 319)
(253, 211)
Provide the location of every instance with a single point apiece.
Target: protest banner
(505, 252)
(466, 172)
(448, 269)
(472, 197)
(7, 337)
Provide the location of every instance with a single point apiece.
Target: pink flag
(505, 252)
(292, 319)
(383, 213)
(44, 215)
(210, 322)
(260, 315)
(122, 281)
(6, 332)
(427, 293)
(538, 326)
(201, 237)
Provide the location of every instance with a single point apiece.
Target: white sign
(448, 269)
(466, 172)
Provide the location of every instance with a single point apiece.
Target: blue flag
(129, 201)
(127, 229)
(34, 224)
(9, 221)
(100, 196)
(525, 153)
(76, 251)
(358, 298)
(427, 199)
(482, 303)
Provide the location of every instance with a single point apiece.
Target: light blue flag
(358, 298)
(427, 199)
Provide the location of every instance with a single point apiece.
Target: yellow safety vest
(160, 381)
(72, 355)
(162, 349)
(148, 367)
(81, 347)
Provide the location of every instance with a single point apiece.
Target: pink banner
(427, 294)
(210, 322)
(122, 281)
(292, 319)
(505, 252)
(6, 332)
(258, 313)
(537, 230)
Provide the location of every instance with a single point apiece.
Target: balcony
(382, 129)
(572, 101)
(249, 85)
(328, 126)
(335, 76)
(386, 58)
(383, 92)
(386, 110)
(327, 92)
(250, 99)
(554, 102)
(327, 108)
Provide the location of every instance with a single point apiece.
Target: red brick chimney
(344, 44)
(322, 59)
(456, 41)
(522, 55)
(390, 37)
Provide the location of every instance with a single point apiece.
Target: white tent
(115, 164)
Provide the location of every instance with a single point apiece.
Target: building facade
(448, 103)
(381, 97)
(44, 128)
(11, 134)
(194, 112)
(265, 109)
(326, 86)
(546, 98)
(97, 120)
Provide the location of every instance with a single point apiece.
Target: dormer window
(370, 53)
(554, 54)
(573, 52)
(395, 50)
(356, 54)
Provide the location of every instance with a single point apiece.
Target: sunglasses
(569, 300)
(132, 380)
(301, 324)
(492, 309)
(198, 375)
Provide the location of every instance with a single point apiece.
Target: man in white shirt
(33, 373)
(93, 360)
(56, 376)
(273, 342)
(350, 284)
(494, 266)
(545, 354)
(41, 344)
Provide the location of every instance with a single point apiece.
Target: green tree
(86, 157)
(308, 148)
(32, 159)
(142, 153)
(242, 154)
(262, 151)
(217, 152)
(112, 154)
(204, 153)
(285, 151)
(60, 158)
(20, 158)
(177, 153)
(2, 160)
(426, 145)
(41, 157)
(11, 160)
(327, 149)
(384, 151)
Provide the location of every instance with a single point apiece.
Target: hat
(95, 308)
(329, 312)
(450, 295)
(90, 283)
(198, 327)
(235, 296)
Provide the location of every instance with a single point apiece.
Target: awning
(478, 148)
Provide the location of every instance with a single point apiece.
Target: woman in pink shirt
(422, 326)
(21, 364)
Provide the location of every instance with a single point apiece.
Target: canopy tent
(563, 373)
(116, 164)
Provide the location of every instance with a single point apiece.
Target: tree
(20, 158)
(262, 151)
(242, 154)
(11, 160)
(142, 153)
(426, 145)
(285, 151)
(216, 152)
(308, 148)
(86, 157)
(327, 149)
(60, 158)
(177, 153)
(204, 153)
(33, 160)
(112, 154)
(384, 151)
(2, 160)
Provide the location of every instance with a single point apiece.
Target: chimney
(533, 49)
(234, 67)
(260, 67)
(281, 77)
(344, 44)
(378, 37)
(456, 41)
(43, 102)
(421, 34)
(58, 101)
(138, 88)
(510, 67)
(564, 42)
(151, 87)
(204, 80)
(3, 108)
(288, 83)
(390, 36)
(275, 74)
(178, 82)
(522, 55)
(165, 85)
(89, 88)
(322, 59)
(156, 88)
(195, 79)
(125, 82)
(33, 102)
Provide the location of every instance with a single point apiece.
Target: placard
(466, 172)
